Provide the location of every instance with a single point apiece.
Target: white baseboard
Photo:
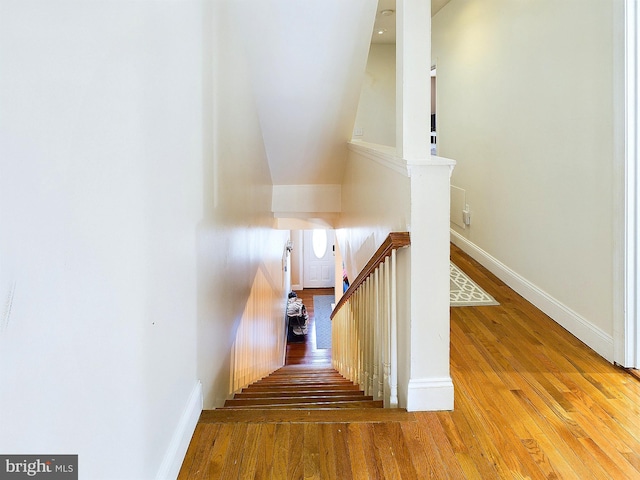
(579, 326)
(174, 455)
(430, 394)
(296, 287)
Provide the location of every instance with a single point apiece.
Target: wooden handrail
(393, 241)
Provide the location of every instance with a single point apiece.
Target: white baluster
(376, 336)
(393, 374)
(379, 331)
(387, 334)
(365, 338)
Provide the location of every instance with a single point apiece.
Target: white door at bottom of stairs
(319, 261)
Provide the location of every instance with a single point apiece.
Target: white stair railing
(364, 326)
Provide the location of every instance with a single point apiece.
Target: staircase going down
(302, 387)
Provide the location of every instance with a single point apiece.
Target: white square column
(413, 78)
(428, 385)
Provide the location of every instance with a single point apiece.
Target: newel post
(429, 386)
(424, 379)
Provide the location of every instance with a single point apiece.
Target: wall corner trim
(430, 394)
(577, 325)
(181, 438)
(381, 154)
(431, 161)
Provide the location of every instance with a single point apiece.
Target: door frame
(627, 332)
(307, 249)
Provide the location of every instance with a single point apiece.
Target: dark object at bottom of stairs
(297, 329)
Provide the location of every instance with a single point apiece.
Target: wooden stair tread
(260, 388)
(304, 388)
(304, 373)
(299, 399)
(341, 415)
(304, 369)
(309, 378)
(297, 393)
(331, 404)
(299, 384)
(304, 378)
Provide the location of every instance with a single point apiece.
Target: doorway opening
(313, 269)
(434, 145)
(318, 258)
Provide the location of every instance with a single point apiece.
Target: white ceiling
(307, 62)
(388, 23)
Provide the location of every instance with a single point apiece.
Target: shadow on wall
(364, 253)
(241, 301)
(259, 343)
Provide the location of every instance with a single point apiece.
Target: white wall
(308, 200)
(130, 243)
(100, 193)
(297, 259)
(525, 106)
(375, 201)
(239, 254)
(377, 108)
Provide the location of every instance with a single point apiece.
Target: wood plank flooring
(306, 352)
(531, 401)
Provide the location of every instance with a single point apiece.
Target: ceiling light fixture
(387, 13)
(381, 31)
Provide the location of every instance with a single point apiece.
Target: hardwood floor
(531, 401)
(306, 352)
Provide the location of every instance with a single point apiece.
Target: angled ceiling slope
(307, 60)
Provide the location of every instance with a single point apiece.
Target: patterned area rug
(464, 292)
(322, 319)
